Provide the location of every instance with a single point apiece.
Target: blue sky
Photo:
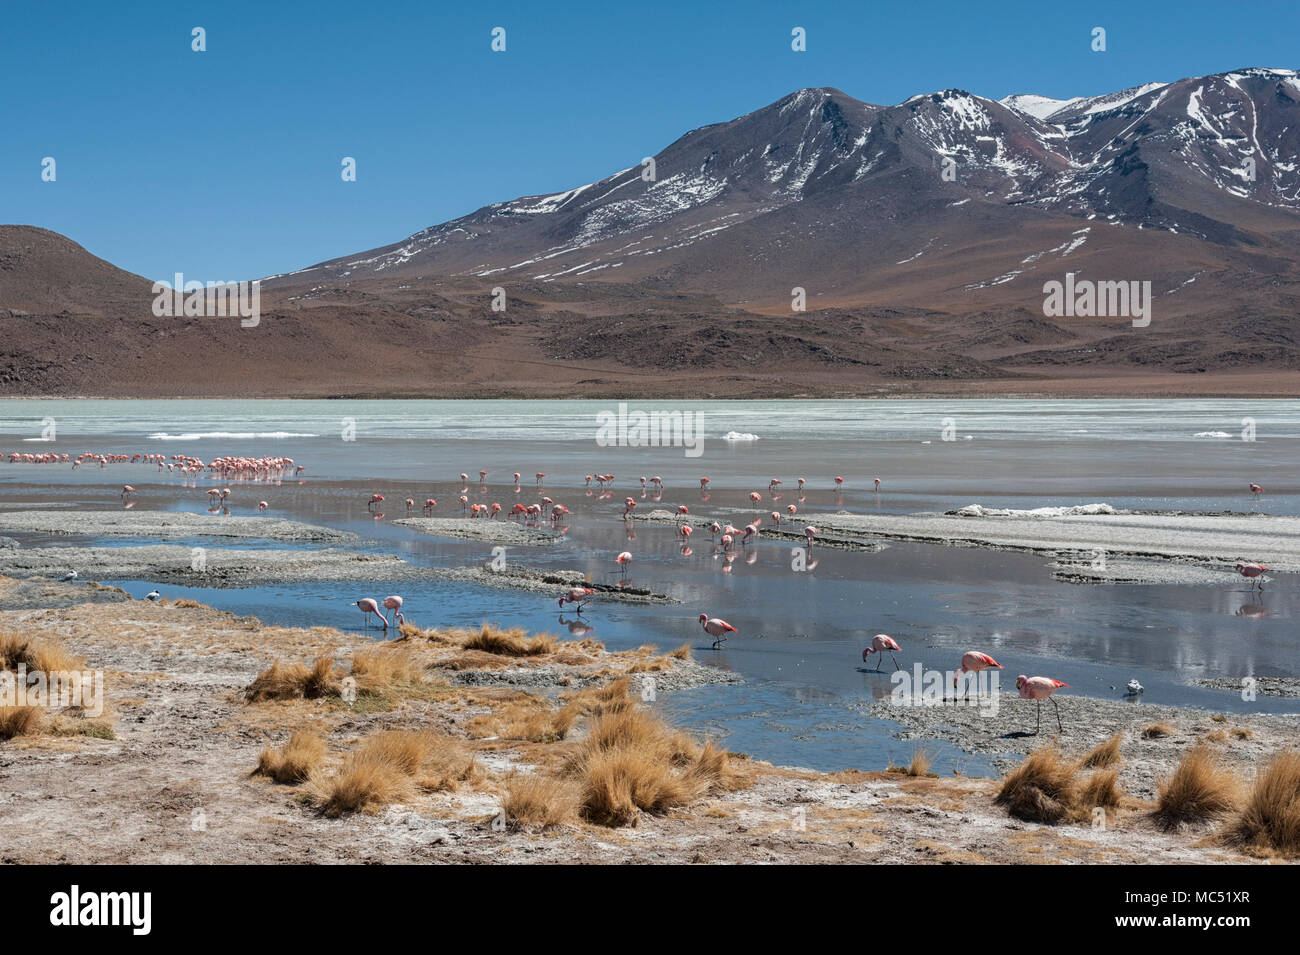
(225, 164)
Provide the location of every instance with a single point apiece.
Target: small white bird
(1134, 687)
(152, 595)
(70, 575)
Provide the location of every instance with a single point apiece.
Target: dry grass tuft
(1104, 754)
(19, 721)
(1200, 787)
(918, 767)
(293, 762)
(1270, 820)
(38, 655)
(632, 762)
(1241, 732)
(682, 653)
(514, 642)
(533, 801)
(1100, 789)
(531, 719)
(188, 604)
(1040, 789)
(388, 767)
(386, 667)
(288, 681)
(1157, 731)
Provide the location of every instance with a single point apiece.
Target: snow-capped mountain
(924, 202)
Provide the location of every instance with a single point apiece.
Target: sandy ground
(173, 785)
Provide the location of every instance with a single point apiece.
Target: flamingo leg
(1058, 716)
(895, 659)
(1040, 717)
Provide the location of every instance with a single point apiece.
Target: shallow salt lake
(801, 631)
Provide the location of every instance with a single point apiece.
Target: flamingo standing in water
(755, 497)
(877, 484)
(429, 505)
(540, 475)
(624, 560)
(394, 603)
(716, 628)
(576, 595)
(810, 532)
(262, 505)
(410, 503)
(368, 606)
(629, 506)
(127, 489)
(1256, 491)
(704, 484)
(972, 661)
(1039, 688)
(839, 481)
(882, 643)
(374, 499)
(802, 482)
(1252, 571)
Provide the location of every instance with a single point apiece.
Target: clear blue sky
(225, 164)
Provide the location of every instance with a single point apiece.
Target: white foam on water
(201, 435)
(739, 436)
(978, 510)
(1212, 434)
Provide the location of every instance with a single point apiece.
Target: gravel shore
(494, 532)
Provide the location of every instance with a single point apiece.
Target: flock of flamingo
(240, 468)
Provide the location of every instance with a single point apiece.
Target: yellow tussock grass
(293, 762)
(1200, 787)
(287, 681)
(1270, 819)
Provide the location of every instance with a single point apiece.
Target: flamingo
(482, 476)
(881, 643)
(776, 518)
(576, 595)
(704, 483)
(1252, 571)
(464, 503)
(802, 482)
(127, 489)
(429, 505)
(1255, 491)
(755, 497)
(839, 481)
(369, 606)
(540, 475)
(716, 628)
(262, 505)
(496, 509)
(629, 506)
(685, 531)
(516, 479)
(464, 478)
(877, 484)
(810, 532)
(374, 499)
(773, 484)
(726, 542)
(394, 603)
(410, 503)
(624, 560)
(972, 661)
(1039, 688)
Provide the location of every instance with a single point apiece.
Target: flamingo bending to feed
(1039, 688)
(262, 505)
(838, 482)
(704, 483)
(127, 489)
(368, 606)
(716, 628)
(877, 484)
(429, 505)
(972, 661)
(810, 532)
(1256, 491)
(624, 560)
(882, 643)
(576, 595)
(374, 499)
(1253, 571)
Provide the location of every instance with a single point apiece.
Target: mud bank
(220, 567)
(549, 582)
(1216, 540)
(491, 531)
(166, 524)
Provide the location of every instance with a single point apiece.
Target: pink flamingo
(776, 518)
(410, 503)
(839, 481)
(972, 661)
(540, 475)
(624, 560)
(262, 505)
(368, 606)
(375, 499)
(882, 643)
(685, 531)
(1039, 688)
(704, 483)
(773, 484)
(464, 478)
(1252, 571)
(576, 595)
(516, 479)
(1256, 491)
(482, 476)
(877, 484)
(755, 497)
(716, 628)
(496, 509)
(127, 489)
(791, 509)
(802, 482)
(394, 603)
(810, 532)
(429, 505)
